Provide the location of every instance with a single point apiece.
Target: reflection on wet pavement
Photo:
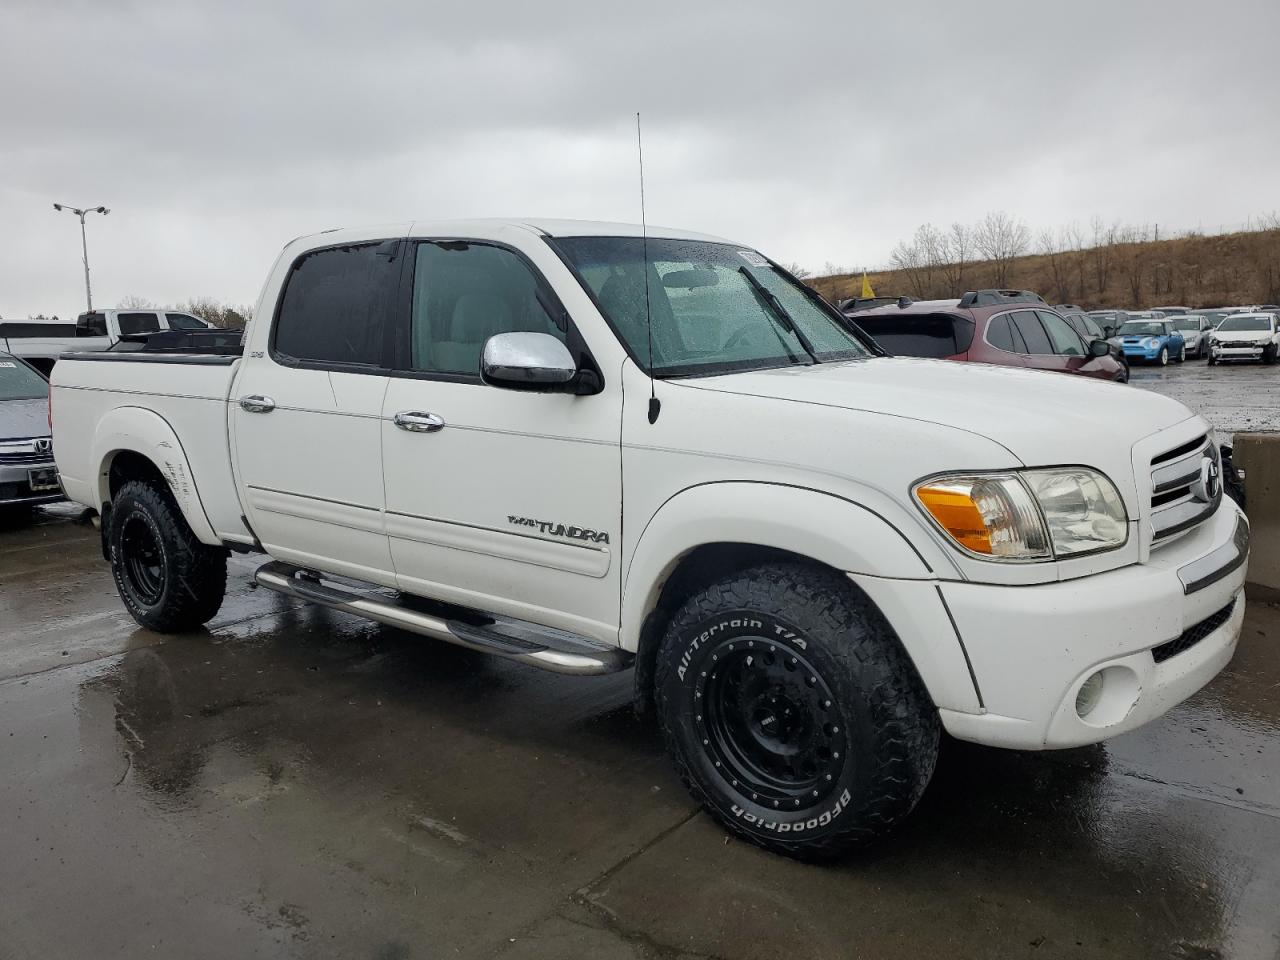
(293, 782)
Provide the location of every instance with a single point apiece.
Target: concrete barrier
(1258, 455)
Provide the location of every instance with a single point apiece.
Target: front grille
(23, 451)
(1193, 635)
(1184, 490)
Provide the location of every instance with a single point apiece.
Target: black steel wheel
(791, 711)
(167, 579)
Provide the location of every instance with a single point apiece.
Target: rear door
(306, 411)
(1003, 336)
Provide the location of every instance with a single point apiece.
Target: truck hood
(1041, 418)
(20, 419)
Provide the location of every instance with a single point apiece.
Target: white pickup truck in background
(568, 445)
(41, 342)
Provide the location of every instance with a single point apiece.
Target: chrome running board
(519, 640)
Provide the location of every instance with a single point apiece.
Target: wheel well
(130, 465)
(701, 566)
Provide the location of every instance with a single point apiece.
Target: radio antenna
(655, 405)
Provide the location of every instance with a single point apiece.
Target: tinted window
(908, 335)
(19, 382)
(1066, 342)
(1033, 334)
(138, 322)
(1000, 335)
(16, 328)
(338, 304)
(465, 293)
(182, 321)
(91, 325)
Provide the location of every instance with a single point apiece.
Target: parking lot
(296, 782)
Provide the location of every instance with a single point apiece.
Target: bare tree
(135, 302)
(1052, 248)
(797, 271)
(910, 259)
(1002, 239)
(957, 244)
(218, 314)
(1104, 240)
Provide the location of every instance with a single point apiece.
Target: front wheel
(1213, 361)
(1269, 353)
(1163, 359)
(1182, 354)
(791, 711)
(169, 580)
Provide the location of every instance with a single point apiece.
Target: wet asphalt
(293, 782)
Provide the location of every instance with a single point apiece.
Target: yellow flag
(866, 286)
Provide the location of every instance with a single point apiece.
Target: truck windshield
(714, 307)
(20, 382)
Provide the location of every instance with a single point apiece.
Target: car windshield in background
(1141, 328)
(935, 335)
(1245, 323)
(714, 307)
(1187, 323)
(179, 322)
(20, 382)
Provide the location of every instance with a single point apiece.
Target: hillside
(1195, 270)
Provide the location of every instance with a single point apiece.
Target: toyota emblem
(1207, 485)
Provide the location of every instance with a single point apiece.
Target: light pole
(84, 243)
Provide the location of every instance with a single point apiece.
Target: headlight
(1027, 515)
(1151, 343)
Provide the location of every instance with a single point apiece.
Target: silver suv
(27, 473)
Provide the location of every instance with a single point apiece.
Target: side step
(538, 646)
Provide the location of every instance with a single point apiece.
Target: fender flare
(146, 433)
(829, 529)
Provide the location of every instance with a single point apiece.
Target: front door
(306, 414)
(500, 500)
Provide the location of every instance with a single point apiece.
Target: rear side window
(138, 322)
(1066, 342)
(183, 321)
(1001, 335)
(338, 305)
(918, 335)
(1033, 335)
(91, 325)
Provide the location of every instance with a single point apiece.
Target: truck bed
(188, 392)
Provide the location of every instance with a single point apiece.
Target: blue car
(1151, 341)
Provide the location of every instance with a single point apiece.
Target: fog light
(1089, 695)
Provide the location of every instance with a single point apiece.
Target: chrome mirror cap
(526, 360)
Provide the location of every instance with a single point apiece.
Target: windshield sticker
(8, 363)
(753, 258)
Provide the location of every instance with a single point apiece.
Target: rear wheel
(169, 580)
(791, 711)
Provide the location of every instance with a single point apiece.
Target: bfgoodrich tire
(169, 580)
(791, 711)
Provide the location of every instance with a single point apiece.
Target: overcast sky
(216, 132)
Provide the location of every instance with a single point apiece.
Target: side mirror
(1099, 348)
(526, 361)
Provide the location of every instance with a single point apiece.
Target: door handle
(417, 421)
(257, 403)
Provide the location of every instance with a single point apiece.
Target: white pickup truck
(41, 342)
(568, 445)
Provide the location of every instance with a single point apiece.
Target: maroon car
(1012, 328)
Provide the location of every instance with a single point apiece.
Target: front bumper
(1237, 352)
(1032, 648)
(15, 484)
(1136, 352)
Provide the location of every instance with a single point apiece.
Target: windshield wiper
(775, 307)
